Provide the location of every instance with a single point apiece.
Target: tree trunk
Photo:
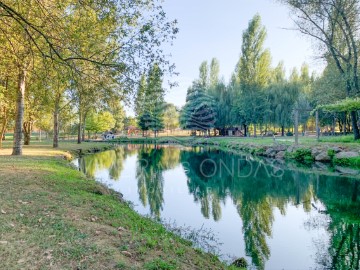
(354, 125)
(254, 130)
(56, 123)
(79, 128)
(282, 131)
(3, 129)
(245, 130)
(83, 126)
(5, 117)
(82, 132)
(19, 118)
(27, 129)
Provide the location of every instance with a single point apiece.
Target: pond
(275, 217)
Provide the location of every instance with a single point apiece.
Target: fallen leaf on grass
(126, 253)
(3, 212)
(3, 242)
(94, 218)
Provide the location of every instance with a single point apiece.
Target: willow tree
(282, 97)
(334, 25)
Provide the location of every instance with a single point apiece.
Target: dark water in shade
(275, 217)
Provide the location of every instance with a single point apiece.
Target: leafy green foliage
(346, 105)
(102, 121)
(348, 162)
(171, 116)
(150, 104)
(199, 113)
(303, 155)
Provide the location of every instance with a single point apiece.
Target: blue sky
(213, 28)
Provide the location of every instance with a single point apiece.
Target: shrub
(331, 153)
(303, 156)
(348, 162)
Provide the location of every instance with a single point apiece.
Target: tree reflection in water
(255, 189)
(152, 162)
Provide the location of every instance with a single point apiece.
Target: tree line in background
(152, 112)
(264, 98)
(70, 65)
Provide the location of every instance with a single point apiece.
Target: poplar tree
(254, 72)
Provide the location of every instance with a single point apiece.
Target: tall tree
(150, 104)
(334, 24)
(118, 35)
(254, 73)
(171, 116)
(214, 72)
(199, 112)
(140, 98)
(204, 74)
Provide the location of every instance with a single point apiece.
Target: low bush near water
(303, 156)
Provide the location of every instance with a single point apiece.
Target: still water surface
(275, 217)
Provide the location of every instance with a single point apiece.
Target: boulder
(348, 171)
(280, 147)
(280, 155)
(322, 157)
(321, 166)
(293, 148)
(316, 151)
(336, 149)
(270, 152)
(341, 155)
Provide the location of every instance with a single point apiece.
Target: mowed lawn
(53, 217)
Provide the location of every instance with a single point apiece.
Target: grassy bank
(53, 217)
